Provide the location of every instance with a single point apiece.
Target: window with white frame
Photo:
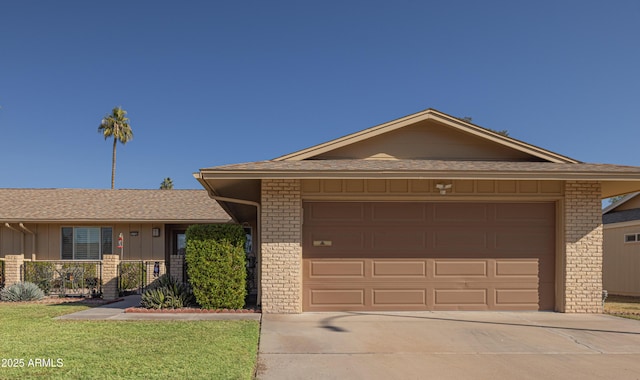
(86, 243)
(631, 238)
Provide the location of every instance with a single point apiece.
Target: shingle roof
(621, 216)
(171, 206)
(453, 169)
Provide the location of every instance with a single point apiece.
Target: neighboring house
(621, 249)
(426, 212)
(82, 224)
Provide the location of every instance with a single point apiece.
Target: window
(631, 238)
(179, 242)
(86, 243)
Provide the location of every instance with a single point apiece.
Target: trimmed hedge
(233, 233)
(216, 265)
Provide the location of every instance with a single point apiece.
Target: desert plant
(21, 291)
(167, 293)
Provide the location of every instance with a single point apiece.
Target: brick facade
(281, 246)
(110, 276)
(13, 269)
(176, 267)
(583, 247)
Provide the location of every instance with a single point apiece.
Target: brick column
(281, 246)
(110, 276)
(150, 266)
(583, 247)
(12, 269)
(176, 267)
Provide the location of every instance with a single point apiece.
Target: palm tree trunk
(113, 164)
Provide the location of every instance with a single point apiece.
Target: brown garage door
(428, 256)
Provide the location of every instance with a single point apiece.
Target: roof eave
(106, 221)
(448, 174)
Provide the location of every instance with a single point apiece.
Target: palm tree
(116, 125)
(167, 184)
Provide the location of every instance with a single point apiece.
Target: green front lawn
(121, 350)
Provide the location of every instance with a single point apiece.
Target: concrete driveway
(448, 345)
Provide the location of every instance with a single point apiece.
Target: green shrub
(22, 291)
(216, 265)
(232, 233)
(167, 293)
(41, 274)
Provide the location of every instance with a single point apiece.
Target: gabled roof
(428, 114)
(425, 145)
(619, 202)
(616, 213)
(89, 205)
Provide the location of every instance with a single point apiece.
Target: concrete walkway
(448, 345)
(115, 312)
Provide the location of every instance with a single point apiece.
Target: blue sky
(208, 83)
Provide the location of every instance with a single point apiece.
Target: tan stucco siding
(48, 236)
(10, 242)
(427, 187)
(583, 247)
(621, 260)
(427, 139)
(630, 204)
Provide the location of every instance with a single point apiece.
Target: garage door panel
(459, 240)
(457, 213)
(332, 212)
(525, 214)
(336, 269)
(386, 213)
(443, 256)
(506, 297)
(517, 268)
(395, 269)
(399, 297)
(522, 240)
(459, 297)
(444, 268)
(330, 240)
(338, 297)
(398, 240)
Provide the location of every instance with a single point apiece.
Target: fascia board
(628, 223)
(317, 174)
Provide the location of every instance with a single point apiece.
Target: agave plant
(167, 293)
(22, 291)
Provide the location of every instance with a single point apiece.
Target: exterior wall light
(155, 232)
(443, 188)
